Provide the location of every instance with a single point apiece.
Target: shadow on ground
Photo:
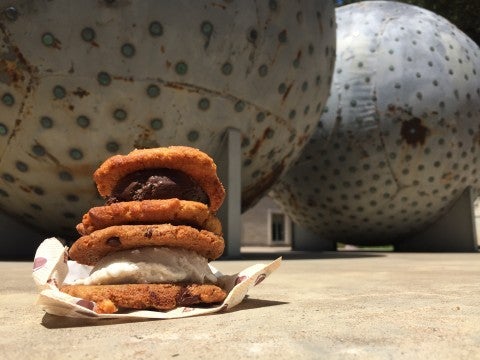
(60, 322)
(304, 255)
(270, 255)
(249, 303)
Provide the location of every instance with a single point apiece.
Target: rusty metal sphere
(398, 141)
(83, 80)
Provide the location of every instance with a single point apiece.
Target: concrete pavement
(343, 305)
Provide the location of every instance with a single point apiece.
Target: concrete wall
(477, 219)
(256, 224)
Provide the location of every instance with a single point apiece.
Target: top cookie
(193, 162)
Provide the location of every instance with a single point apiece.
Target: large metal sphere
(83, 80)
(398, 141)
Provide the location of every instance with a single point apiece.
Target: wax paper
(51, 269)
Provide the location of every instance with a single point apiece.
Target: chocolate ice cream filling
(159, 183)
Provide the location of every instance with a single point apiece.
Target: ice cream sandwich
(151, 242)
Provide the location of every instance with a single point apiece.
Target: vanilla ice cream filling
(150, 265)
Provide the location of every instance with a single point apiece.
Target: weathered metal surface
(398, 141)
(82, 80)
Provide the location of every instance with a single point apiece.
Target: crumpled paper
(51, 268)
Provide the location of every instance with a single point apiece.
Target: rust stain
(10, 69)
(146, 144)
(176, 86)
(320, 24)
(221, 6)
(52, 158)
(81, 92)
(259, 142)
(56, 44)
(299, 55)
(31, 188)
(414, 132)
(31, 70)
(15, 67)
(391, 107)
(124, 78)
(144, 139)
(25, 188)
(284, 97)
(447, 177)
(14, 131)
(302, 139)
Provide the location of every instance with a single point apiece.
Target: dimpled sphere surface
(398, 141)
(81, 81)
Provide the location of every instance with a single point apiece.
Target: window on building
(278, 227)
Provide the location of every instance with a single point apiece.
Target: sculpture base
(19, 241)
(306, 240)
(229, 163)
(453, 232)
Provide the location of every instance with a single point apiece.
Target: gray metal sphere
(83, 80)
(398, 141)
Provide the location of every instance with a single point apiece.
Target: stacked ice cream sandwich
(151, 243)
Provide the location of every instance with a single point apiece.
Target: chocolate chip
(148, 233)
(160, 302)
(184, 298)
(113, 241)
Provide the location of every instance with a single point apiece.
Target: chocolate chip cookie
(171, 211)
(89, 249)
(110, 298)
(112, 177)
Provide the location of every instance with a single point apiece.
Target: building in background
(266, 225)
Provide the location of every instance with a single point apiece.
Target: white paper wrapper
(51, 268)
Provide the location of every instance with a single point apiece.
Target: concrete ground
(343, 305)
